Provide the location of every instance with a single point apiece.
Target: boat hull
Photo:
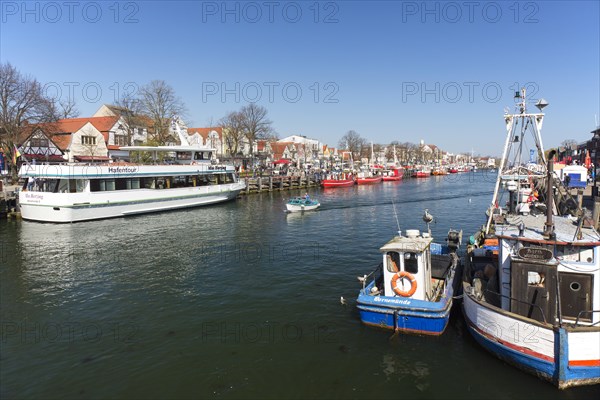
(301, 207)
(392, 178)
(564, 357)
(404, 314)
(421, 174)
(368, 181)
(77, 207)
(333, 183)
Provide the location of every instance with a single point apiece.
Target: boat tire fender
(413, 284)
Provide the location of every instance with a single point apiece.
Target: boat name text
(34, 198)
(535, 253)
(122, 170)
(391, 301)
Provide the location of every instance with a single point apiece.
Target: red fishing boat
(368, 180)
(336, 183)
(421, 173)
(394, 174)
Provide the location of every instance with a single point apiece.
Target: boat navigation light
(541, 104)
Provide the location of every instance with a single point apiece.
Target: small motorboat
(302, 204)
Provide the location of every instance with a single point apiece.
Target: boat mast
(511, 120)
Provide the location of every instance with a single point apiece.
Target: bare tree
(352, 142)
(129, 109)
(233, 132)
(569, 143)
(67, 109)
(255, 124)
(391, 151)
(22, 101)
(159, 102)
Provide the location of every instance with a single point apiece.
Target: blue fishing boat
(412, 289)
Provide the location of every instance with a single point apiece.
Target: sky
(439, 71)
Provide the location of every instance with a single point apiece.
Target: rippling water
(238, 300)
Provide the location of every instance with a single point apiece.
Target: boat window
(393, 261)
(537, 279)
(121, 184)
(575, 253)
(110, 185)
(95, 185)
(147, 183)
(230, 178)
(411, 263)
(51, 185)
(184, 155)
(202, 180)
(63, 186)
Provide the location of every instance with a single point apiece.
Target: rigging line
(396, 215)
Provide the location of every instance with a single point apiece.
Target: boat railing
(584, 312)
(365, 278)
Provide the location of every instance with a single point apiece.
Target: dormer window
(88, 140)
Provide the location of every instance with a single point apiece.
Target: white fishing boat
(531, 281)
(302, 204)
(81, 192)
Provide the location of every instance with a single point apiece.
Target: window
(411, 263)
(393, 261)
(38, 142)
(120, 140)
(88, 140)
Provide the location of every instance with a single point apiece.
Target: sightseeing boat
(302, 204)
(531, 281)
(79, 192)
(412, 289)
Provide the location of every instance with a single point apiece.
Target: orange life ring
(413, 284)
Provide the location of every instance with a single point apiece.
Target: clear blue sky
(390, 70)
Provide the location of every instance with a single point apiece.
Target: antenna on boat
(396, 215)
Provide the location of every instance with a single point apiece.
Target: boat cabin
(546, 280)
(410, 254)
(183, 155)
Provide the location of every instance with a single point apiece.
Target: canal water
(238, 300)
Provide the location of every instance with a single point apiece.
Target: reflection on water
(237, 300)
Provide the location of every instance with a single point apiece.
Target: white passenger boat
(531, 281)
(82, 192)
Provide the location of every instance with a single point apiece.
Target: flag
(16, 154)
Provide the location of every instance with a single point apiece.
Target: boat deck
(565, 228)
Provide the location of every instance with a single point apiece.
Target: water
(238, 300)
